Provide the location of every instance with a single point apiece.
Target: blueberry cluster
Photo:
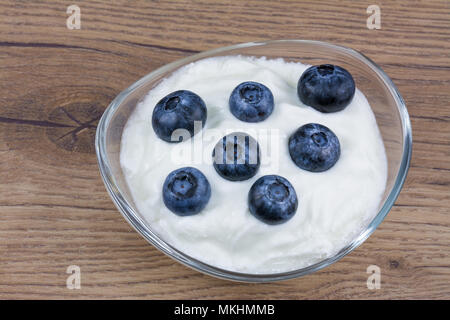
(236, 157)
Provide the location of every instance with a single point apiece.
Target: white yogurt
(334, 206)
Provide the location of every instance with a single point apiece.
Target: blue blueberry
(186, 191)
(272, 199)
(314, 147)
(236, 157)
(178, 110)
(251, 102)
(326, 88)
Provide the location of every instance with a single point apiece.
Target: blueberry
(236, 157)
(186, 191)
(178, 110)
(251, 102)
(314, 147)
(272, 199)
(326, 88)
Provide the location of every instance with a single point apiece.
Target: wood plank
(55, 83)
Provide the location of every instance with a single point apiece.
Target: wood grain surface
(55, 84)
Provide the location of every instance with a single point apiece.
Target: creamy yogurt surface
(334, 206)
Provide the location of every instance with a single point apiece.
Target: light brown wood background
(55, 84)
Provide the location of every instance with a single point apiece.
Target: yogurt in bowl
(141, 202)
(334, 206)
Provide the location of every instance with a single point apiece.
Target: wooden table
(56, 82)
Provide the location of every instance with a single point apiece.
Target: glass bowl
(389, 108)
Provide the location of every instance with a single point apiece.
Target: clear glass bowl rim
(138, 224)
